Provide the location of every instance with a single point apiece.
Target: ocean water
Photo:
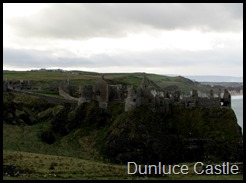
(237, 106)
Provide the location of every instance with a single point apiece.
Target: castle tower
(101, 91)
(194, 95)
(133, 99)
(227, 98)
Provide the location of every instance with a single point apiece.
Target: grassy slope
(43, 78)
(33, 166)
(26, 138)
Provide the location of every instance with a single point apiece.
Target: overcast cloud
(194, 39)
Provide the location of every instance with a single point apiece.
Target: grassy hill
(45, 78)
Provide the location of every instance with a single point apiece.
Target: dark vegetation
(170, 135)
(178, 135)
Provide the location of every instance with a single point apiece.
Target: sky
(182, 39)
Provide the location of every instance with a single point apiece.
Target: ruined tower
(101, 91)
(194, 95)
(133, 99)
(226, 99)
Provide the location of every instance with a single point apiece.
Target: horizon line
(117, 72)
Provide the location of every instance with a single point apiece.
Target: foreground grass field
(33, 166)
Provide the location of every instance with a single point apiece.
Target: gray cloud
(26, 59)
(73, 21)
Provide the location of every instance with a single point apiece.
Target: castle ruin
(147, 95)
(101, 92)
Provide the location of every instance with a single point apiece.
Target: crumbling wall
(194, 95)
(115, 92)
(226, 100)
(65, 95)
(133, 99)
(85, 93)
(147, 97)
(209, 103)
(101, 93)
(14, 85)
(18, 84)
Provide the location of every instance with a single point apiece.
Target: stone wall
(85, 93)
(66, 96)
(209, 103)
(226, 100)
(133, 99)
(19, 84)
(147, 98)
(101, 90)
(117, 92)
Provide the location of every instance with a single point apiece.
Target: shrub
(48, 136)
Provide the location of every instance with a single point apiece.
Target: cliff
(176, 134)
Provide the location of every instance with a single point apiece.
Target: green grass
(41, 166)
(48, 93)
(36, 166)
(27, 138)
(44, 75)
(45, 79)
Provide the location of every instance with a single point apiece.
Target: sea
(237, 106)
